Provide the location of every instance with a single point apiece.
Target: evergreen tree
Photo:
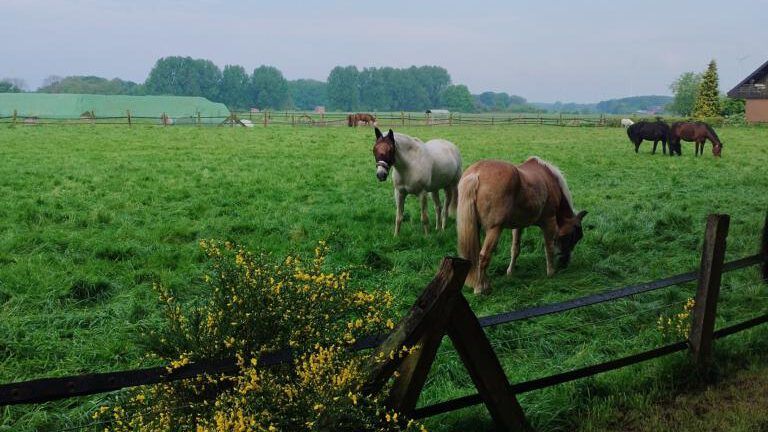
(708, 97)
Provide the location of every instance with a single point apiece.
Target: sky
(545, 51)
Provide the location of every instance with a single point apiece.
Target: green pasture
(92, 216)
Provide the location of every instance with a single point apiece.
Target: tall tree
(269, 89)
(708, 96)
(457, 98)
(685, 89)
(234, 88)
(374, 94)
(184, 76)
(8, 87)
(433, 79)
(306, 94)
(344, 88)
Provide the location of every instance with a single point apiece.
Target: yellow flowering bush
(257, 307)
(676, 325)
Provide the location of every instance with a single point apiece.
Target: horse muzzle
(382, 171)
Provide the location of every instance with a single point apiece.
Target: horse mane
(555, 171)
(712, 131)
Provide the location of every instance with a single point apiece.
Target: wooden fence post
(764, 249)
(402, 119)
(265, 119)
(708, 291)
(128, 113)
(484, 368)
(15, 114)
(199, 120)
(322, 119)
(418, 322)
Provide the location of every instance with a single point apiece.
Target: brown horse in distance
(354, 119)
(698, 132)
(495, 195)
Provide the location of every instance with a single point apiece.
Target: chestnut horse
(355, 119)
(698, 132)
(495, 195)
(419, 168)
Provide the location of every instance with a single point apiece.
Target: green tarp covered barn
(71, 106)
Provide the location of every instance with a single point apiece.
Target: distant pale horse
(419, 168)
(625, 123)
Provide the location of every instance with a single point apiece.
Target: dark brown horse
(698, 132)
(651, 131)
(494, 195)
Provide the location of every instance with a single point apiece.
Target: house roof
(742, 91)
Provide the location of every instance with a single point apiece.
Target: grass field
(90, 217)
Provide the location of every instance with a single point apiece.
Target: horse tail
(467, 225)
(454, 201)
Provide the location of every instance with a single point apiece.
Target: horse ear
(581, 215)
(391, 135)
(378, 133)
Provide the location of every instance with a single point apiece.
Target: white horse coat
(419, 168)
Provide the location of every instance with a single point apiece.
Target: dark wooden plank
(420, 319)
(413, 373)
(764, 249)
(484, 368)
(708, 291)
(548, 381)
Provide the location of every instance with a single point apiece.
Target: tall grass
(90, 217)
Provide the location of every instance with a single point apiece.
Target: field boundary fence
(442, 310)
(312, 119)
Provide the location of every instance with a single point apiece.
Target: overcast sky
(544, 50)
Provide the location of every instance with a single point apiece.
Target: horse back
(512, 196)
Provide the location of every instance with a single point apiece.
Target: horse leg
(664, 146)
(550, 233)
(446, 209)
(424, 215)
(637, 145)
(489, 245)
(517, 233)
(655, 143)
(399, 204)
(440, 222)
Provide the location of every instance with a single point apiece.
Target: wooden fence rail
(442, 310)
(304, 119)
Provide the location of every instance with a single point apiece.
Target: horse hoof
(510, 270)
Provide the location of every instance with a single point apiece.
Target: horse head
(569, 234)
(717, 149)
(384, 153)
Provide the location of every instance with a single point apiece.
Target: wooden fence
(309, 119)
(442, 310)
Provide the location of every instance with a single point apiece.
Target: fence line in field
(305, 119)
(441, 309)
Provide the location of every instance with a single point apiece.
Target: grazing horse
(625, 123)
(698, 132)
(355, 119)
(495, 195)
(651, 131)
(419, 168)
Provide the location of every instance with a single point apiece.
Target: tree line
(347, 88)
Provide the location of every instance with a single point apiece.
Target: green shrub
(255, 307)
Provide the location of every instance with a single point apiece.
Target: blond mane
(560, 179)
